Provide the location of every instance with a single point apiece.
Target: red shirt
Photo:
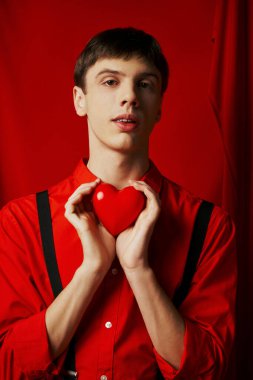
(112, 340)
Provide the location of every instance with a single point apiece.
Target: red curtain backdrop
(230, 94)
(205, 146)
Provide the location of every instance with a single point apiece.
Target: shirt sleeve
(209, 308)
(24, 346)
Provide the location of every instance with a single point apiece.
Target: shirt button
(108, 325)
(103, 377)
(115, 271)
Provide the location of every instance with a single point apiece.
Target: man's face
(122, 102)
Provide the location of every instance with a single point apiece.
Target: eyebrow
(110, 71)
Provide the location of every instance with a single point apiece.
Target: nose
(129, 96)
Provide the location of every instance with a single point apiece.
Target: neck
(117, 168)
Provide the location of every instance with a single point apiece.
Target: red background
(41, 138)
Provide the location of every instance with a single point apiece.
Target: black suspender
(197, 240)
(196, 245)
(46, 232)
(48, 241)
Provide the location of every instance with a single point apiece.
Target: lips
(126, 122)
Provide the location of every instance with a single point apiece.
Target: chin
(123, 144)
(124, 149)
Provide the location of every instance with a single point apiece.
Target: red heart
(117, 209)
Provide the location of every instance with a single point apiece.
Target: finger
(74, 208)
(76, 199)
(140, 183)
(78, 196)
(70, 215)
(82, 188)
(75, 215)
(70, 208)
(152, 198)
(153, 201)
(144, 187)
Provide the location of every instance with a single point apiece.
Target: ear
(79, 101)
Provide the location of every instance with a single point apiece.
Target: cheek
(152, 113)
(152, 104)
(97, 107)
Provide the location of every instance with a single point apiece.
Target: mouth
(126, 122)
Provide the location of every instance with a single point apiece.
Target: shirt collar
(152, 177)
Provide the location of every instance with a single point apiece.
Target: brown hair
(121, 43)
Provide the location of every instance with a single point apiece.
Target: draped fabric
(230, 94)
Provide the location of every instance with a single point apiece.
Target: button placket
(109, 316)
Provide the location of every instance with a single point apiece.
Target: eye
(110, 82)
(143, 84)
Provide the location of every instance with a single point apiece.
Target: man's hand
(163, 322)
(132, 244)
(66, 311)
(98, 244)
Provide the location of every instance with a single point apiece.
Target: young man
(117, 290)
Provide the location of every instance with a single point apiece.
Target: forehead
(126, 67)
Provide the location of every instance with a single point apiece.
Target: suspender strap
(48, 241)
(46, 231)
(196, 245)
(197, 240)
